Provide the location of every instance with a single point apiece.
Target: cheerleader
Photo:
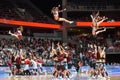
(96, 21)
(27, 66)
(104, 72)
(102, 54)
(55, 11)
(18, 33)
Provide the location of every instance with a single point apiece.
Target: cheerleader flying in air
(55, 11)
(18, 33)
(96, 21)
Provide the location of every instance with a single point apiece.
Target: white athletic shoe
(104, 29)
(71, 22)
(108, 77)
(70, 76)
(60, 77)
(99, 76)
(9, 32)
(93, 77)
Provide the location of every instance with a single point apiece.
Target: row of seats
(94, 2)
(8, 11)
(16, 10)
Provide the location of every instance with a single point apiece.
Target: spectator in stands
(55, 11)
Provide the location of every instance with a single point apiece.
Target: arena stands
(22, 10)
(77, 45)
(93, 4)
(41, 48)
(84, 8)
(7, 11)
(36, 14)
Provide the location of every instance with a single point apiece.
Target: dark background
(46, 5)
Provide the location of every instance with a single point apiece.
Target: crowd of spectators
(28, 47)
(42, 48)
